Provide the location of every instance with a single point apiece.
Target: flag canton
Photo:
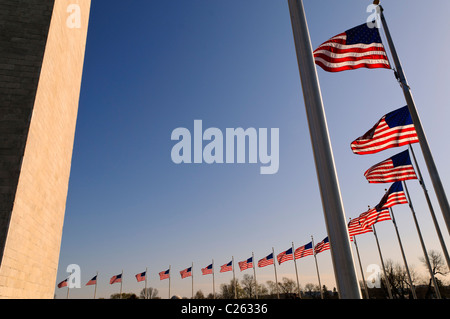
(363, 34)
(399, 117)
(401, 159)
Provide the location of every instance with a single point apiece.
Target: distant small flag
(115, 279)
(322, 246)
(392, 130)
(285, 256)
(266, 261)
(93, 281)
(63, 283)
(227, 267)
(246, 264)
(355, 227)
(141, 277)
(359, 47)
(164, 274)
(186, 272)
(394, 169)
(374, 216)
(394, 196)
(303, 251)
(207, 270)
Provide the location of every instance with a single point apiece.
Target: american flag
(355, 227)
(322, 246)
(303, 251)
(63, 283)
(392, 130)
(394, 169)
(207, 270)
(394, 196)
(186, 272)
(141, 277)
(285, 256)
(374, 216)
(227, 267)
(359, 47)
(266, 261)
(93, 281)
(164, 274)
(115, 279)
(246, 264)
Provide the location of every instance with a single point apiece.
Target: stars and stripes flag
(393, 130)
(227, 267)
(186, 272)
(63, 283)
(164, 274)
(374, 216)
(303, 251)
(246, 264)
(266, 261)
(141, 277)
(115, 279)
(322, 246)
(394, 196)
(359, 47)
(207, 270)
(394, 169)
(93, 281)
(285, 256)
(355, 226)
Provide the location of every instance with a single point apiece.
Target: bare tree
(438, 267)
(152, 293)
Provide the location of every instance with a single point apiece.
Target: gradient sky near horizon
(153, 66)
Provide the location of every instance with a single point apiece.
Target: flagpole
(192, 275)
(413, 289)
(344, 268)
(234, 278)
(170, 275)
(430, 206)
(95, 288)
(68, 289)
(254, 272)
(432, 169)
(296, 272)
(275, 268)
(121, 282)
(317, 267)
(360, 266)
(424, 249)
(214, 289)
(146, 275)
(386, 279)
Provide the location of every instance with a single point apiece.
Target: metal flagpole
(386, 279)
(254, 273)
(275, 268)
(432, 169)
(214, 291)
(170, 275)
(146, 292)
(234, 278)
(344, 268)
(413, 289)
(68, 289)
(296, 272)
(430, 206)
(317, 267)
(360, 266)
(424, 249)
(96, 280)
(192, 275)
(121, 283)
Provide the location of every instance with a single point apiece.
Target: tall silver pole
(430, 206)
(317, 267)
(254, 273)
(386, 279)
(413, 289)
(341, 253)
(296, 271)
(214, 289)
(422, 243)
(275, 268)
(146, 292)
(428, 157)
(234, 278)
(121, 282)
(170, 275)
(192, 275)
(96, 281)
(360, 266)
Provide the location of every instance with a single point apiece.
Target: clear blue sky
(153, 66)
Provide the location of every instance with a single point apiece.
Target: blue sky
(154, 66)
